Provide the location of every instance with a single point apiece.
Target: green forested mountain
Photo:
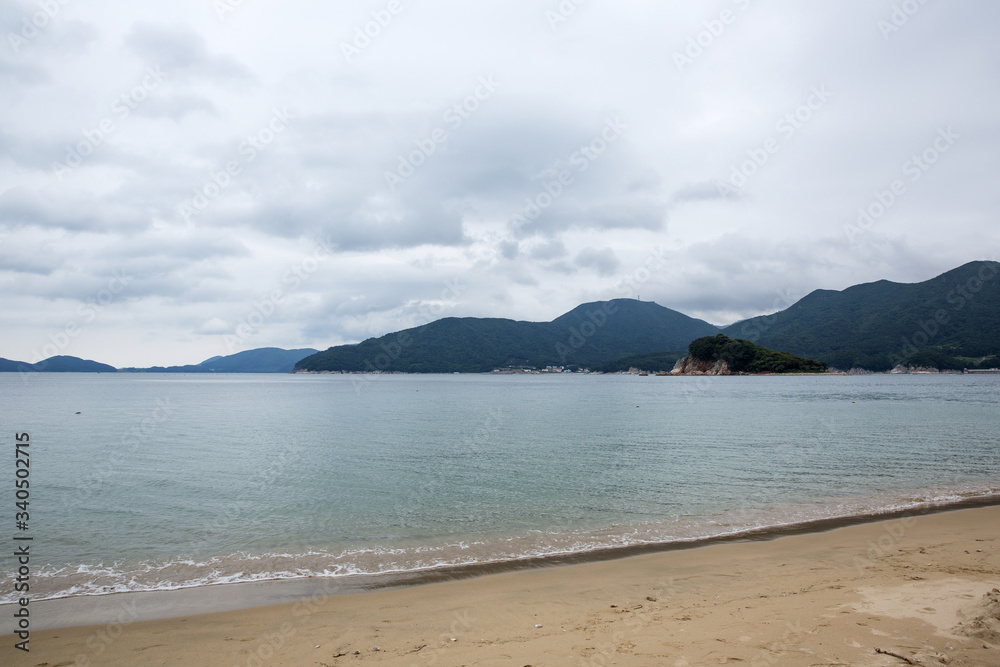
(591, 334)
(951, 321)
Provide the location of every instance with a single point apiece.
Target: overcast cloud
(189, 179)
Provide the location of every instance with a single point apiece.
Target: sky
(190, 179)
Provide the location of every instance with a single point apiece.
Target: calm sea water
(166, 481)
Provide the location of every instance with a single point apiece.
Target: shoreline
(916, 585)
(163, 604)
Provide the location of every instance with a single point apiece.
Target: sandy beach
(922, 589)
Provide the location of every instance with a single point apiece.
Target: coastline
(840, 557)
(162, 603)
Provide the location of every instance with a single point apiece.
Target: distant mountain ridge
(951, 321)
(590, 334)
(57, 364)
(261, 360)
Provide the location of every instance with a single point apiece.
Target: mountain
(58, 364)
(951, 321)
(594, 333)
(9, 366)
(62, 364)
(261, 360)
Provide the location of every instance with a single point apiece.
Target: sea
(148, 482)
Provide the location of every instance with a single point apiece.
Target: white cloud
(206, 127)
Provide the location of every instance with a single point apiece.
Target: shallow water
(167, 481)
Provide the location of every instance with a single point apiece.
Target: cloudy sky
(181, 180)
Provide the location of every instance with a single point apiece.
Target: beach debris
(453, 639)
(614, 606)
(651, 598)
(538, 625)
(896, 655)
(356, 653)
(340, 655)
(419, 648)
(376, 649)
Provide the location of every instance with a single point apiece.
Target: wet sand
(918, 587)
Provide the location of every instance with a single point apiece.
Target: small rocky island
(722, 355)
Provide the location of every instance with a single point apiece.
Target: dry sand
(921, 588)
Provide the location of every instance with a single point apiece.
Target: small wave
(90, 579)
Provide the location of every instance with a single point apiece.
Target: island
(722, 355)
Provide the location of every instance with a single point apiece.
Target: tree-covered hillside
(742, 356)
(951, 321)
(591, 334)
